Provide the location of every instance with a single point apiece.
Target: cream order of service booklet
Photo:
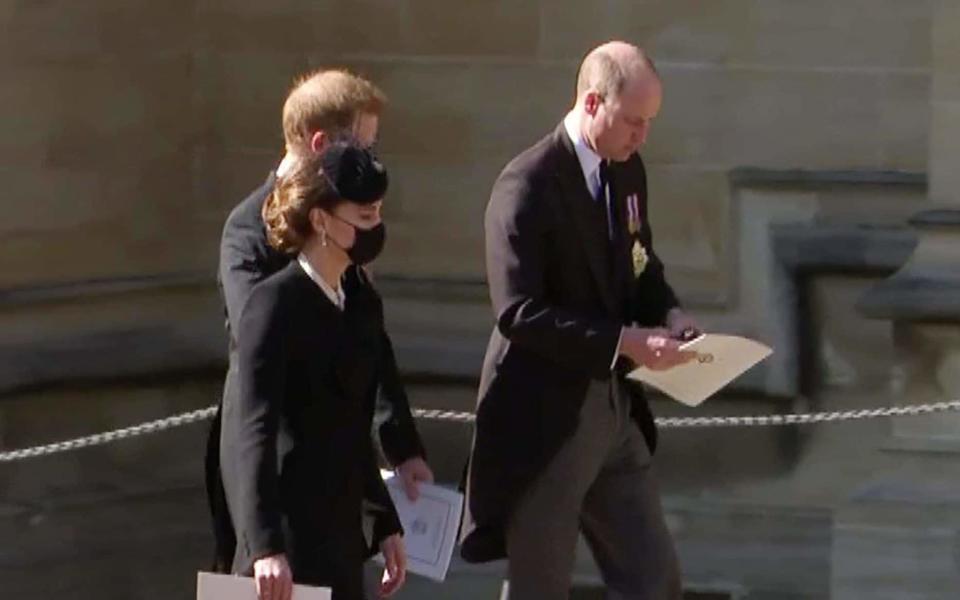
(214, 586)
(720, 359)
(429, 525)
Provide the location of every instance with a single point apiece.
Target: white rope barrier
(467, 417)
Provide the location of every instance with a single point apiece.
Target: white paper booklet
(720, 360)
(429, 525)
(214, 586)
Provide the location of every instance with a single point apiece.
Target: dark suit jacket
(298, 461)
(561, 295)
(246, 259)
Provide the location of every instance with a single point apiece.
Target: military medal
(640, 258)
(638, 253)
(633, 214)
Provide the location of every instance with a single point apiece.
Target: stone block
(85, 335)
(569, 31)
(812, 120)
(927, 370)
(64, 112)
(452, 112)
(134, 502)
(485, 28)
(52, 31)
(944, 146)
(223, 178)
(854, 34)
(904, 122)
(694, 119)
(821, 34)
(759, 549)
(946, 85)
(72, 33)
(51, 199)
(852, 352)
(690, 214)
(97, 252)
(780, 119)
(436, 336)
(945, 47)
(343, 27)
(142, 28)
(883, 206)
(434, 215)
(894, 551)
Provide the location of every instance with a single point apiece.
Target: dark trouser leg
(543, 529)
(623, 522)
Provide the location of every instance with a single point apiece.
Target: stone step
(896, 550)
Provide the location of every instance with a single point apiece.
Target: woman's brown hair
(286, 213)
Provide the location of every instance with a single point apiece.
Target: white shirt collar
(336, 296)
(285, 165)
(589, 160)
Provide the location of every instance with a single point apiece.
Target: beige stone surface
(690, 212)
(177, 106)
(904, 121)
(130, 128)
(945, 111)
(455, 112)
(946, 48)
(776, 34)
(421, 27)
(435, 218)
(806, 119)
(944, 145)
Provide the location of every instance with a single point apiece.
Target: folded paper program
(719, 360)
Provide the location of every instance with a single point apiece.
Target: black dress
(246, 259)
(299, 467)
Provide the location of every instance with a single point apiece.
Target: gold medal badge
(639, 253)
(640, 258)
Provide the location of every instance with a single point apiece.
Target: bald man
(563, 442)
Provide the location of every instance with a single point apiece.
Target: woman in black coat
(299, 468)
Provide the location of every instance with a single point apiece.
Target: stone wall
(794, 139)
(132, 127)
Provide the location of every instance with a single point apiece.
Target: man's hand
(682, 327)
(653, 348)
(395, 565)
(412, 471)
(273, 578)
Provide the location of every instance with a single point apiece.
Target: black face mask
(367, 243)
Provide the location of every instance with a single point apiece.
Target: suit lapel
(589, 217)
(622, 261)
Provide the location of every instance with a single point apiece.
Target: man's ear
(318, 141)
(592, 102)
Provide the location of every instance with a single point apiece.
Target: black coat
(245, 260)
(297, 457)
(561, 293)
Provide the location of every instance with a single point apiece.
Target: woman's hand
(395, 570)
(273, 578)
(413, 471)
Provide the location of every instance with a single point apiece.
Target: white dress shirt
(336, 296)
(590, 165)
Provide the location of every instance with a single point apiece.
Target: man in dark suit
(322, 107)
(563, 443)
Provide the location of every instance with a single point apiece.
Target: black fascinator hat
(354, 173)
